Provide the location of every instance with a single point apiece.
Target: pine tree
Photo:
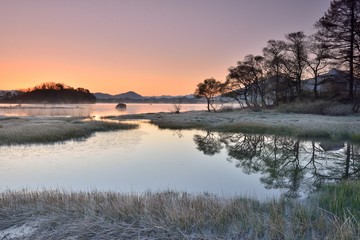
(339, 27)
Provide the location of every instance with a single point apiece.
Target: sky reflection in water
(127, 161)
(194, 161)
(85, 110)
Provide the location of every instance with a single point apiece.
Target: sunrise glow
(150, 47)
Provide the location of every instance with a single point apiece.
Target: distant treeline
(51, 93)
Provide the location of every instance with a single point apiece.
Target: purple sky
(153, 47)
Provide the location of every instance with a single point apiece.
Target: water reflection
(189, 160)
(128, 161)
(293, 165)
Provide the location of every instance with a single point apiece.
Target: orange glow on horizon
(150, 47)
(18, 75)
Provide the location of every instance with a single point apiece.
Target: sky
(152, 47)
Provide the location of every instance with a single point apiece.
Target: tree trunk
(208, 104)
(352, 40)
(316, 94)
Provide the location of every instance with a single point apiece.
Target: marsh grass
(51, 130)
(54, 214)
(343, 199)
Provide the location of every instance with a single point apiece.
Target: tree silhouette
(274, 62)
(295, 58)
(247, 79)
(53, 93)
(209, 89)
(319, 54)
(339, 28)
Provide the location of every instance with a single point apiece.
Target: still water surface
(98, 109)
(189, 160)
(127, 161)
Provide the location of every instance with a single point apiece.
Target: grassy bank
(27, 130)
(339, 128)
(172, 215)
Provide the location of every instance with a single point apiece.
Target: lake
(149, 159)
(97, 110)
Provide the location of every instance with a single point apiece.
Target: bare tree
(177, 105)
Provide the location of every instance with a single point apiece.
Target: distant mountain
(130, 95)
(127, 95)
(100, 95)
(189, 96)
(133, 97)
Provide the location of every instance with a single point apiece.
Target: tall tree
(209, 89)
(295, 59)
(246, 79)
(319, 54)
(340, 28)
(274, 60)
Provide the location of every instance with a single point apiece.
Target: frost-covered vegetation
(53, 214)
(27, 130)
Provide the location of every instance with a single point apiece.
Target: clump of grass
(343, 199)
(165, 215)
(226, 108)
(51, 130)
(355, 137)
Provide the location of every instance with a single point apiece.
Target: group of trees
(52, 93)
(56, 87)
(276, 75)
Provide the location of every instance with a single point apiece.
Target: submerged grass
(51, 130)
(166, 215)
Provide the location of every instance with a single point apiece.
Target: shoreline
(48, 130)
(262, 122)
(177, 215)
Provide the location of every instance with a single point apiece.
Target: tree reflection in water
(296, 166)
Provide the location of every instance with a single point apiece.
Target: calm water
(127, 161)
(194, 161)
(98, 109)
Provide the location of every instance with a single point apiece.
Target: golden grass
(166, 215)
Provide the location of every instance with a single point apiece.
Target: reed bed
(54, 214)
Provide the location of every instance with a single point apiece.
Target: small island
(51, 93)
(121, 106)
